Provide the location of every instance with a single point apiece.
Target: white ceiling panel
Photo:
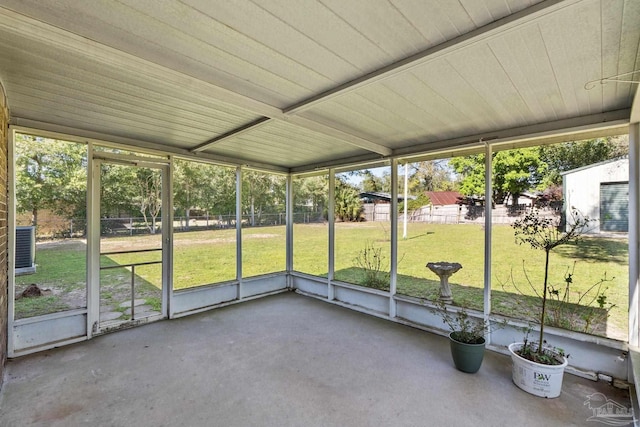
(135, 30)
(286, 141)
(626, 18)
(294, 85)
(532, 74)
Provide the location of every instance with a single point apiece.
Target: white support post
(167, 233)
(11, 239)
(634, 233)
(393, 276)
(93, 241)
(488, 202)
(406, 196)
(239, 230)
(289, 229)
(332, 233)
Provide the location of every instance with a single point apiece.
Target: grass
(60, 269)
(34, 306)
(464, 243)
(207, 257)
(459, 243)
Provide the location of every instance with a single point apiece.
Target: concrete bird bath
(444, 270)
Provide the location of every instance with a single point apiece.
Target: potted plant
(466, 338)
(538, 368)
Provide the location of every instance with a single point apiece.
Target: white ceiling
(296, 85)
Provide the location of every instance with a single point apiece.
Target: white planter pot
(536, 378)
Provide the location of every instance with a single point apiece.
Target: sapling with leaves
(579, 311)
(583, 311)
(545, 233)
(464, 328)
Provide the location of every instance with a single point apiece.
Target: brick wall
(4, 125)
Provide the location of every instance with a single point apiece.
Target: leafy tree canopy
(431, 175)
(535, 168)
(310, 194)
(348, 206)
(513, 173)
(420, 201)
(50, 174)
(262, 193)
(576, 154)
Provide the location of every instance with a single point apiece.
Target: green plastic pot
(466, 357)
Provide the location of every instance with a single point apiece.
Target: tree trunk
(146, 221)
(514, 199)
(253, 213)
(544, 300)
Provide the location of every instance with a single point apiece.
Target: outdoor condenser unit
(25, 250)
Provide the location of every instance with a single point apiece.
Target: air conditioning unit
(25, 250)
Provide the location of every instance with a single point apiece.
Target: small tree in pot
(546, 234)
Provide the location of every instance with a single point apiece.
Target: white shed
(600, 191)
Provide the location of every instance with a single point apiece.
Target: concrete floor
(284, 360)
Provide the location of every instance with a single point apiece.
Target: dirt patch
(361, 224)
(75, 298)
(77, 244)
(142, 242)
(137, 243)
(32, 291)
(189, 242)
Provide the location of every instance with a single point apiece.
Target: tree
(262, 193)
(311, 191)
(576, 154)
(149, 198)
(190, 186)
(546, 234)
(220, 198)
(348, 206)
(385, 181)
(420, 201)
(471, 170)
(207, 187)
(370, 182)
(118, 190)
(514, 172)
(50, 174)
(431, 175)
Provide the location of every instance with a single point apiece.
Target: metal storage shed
(600, 191)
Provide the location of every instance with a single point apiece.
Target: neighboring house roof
(441, 198)
(373, 196)
(530, 195)
(617, 159)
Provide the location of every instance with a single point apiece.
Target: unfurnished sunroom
(251, 120)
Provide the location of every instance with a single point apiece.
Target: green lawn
(594, 256)
(60, 270)
(206, 257)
